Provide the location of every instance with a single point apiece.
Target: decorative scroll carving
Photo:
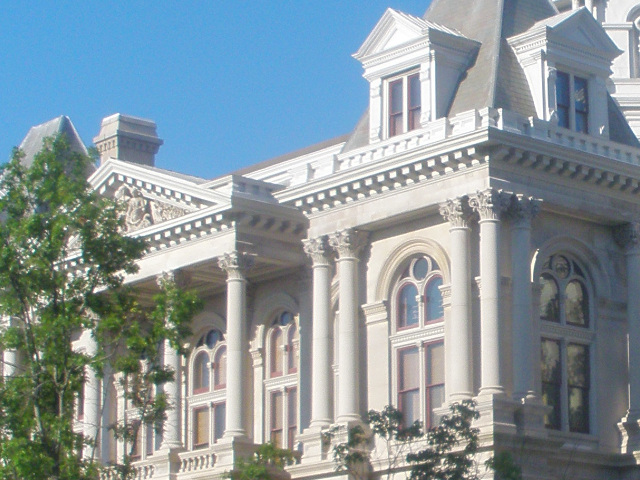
(490, 204)
(318, 250)
(457, 212)
(235, 264)
(349, 242)
(142, 212)
(627, 236)
(522, 209)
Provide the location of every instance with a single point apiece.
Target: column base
(497, 414)
(316, 445)
(230, 448)
(529, 417)
(166, 462)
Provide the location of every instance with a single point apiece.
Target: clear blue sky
(229, 83)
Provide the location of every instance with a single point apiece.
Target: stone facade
(476, 237)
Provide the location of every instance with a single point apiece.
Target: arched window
(565, 315)
(418, 340)
(206, 405)
(281, 384)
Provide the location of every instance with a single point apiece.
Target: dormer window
(572, 99)
(404, 104)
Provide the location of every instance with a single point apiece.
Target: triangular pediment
(152, 196)
(392, 30)
(580, 28)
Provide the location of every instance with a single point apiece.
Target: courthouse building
(476, 236)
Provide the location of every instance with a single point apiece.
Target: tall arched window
(281, 384)
(417, 342)
(208, 367)
(565, 315)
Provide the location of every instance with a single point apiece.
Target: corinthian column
(348, 244)
(235, 265)
(490, 205)
(521, 212)
(91, 417)
(457, 331)
(318, 250)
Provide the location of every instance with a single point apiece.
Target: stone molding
(318, 250)
(348, 242)
(235, 264)
(457, 212)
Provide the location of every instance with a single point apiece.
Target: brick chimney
(127, 138)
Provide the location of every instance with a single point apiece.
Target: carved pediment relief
(142, 211)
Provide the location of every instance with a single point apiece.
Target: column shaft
(92, 414)
(235, 264)
(348, 244)
(459, 360)
(172, 433)
(633, 321)
(321, 335)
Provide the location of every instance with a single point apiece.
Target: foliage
(62, 268)
(267, 460)
(450, 452)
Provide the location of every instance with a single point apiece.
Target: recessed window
(418, 298)
(404, 104)
(572, 102)
(201, 427)
(565, 354)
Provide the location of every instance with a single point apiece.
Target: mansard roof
(32, 143)
(496, 79)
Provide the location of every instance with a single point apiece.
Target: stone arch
(391, 267)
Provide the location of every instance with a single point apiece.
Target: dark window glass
(219, 415)
(201, 373)
(563, 99)
(434, 306)
(576, 304)
(578, 387)
(549, 300)
(420, 269)
(414, 101)
(551, 369)
(292, 415)
(581, 104)
(213, 337)
(408, 306)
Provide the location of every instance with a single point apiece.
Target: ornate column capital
(181, 278)
(457, 212)
(235, 264)
(522, 210)
(490, 203)
(318, 250)
(627, 236)
(348, 242)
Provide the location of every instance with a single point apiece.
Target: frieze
(141, 212)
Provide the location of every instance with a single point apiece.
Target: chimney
(127, 138)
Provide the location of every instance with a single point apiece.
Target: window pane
(395, 97)
(581, 95)
(150, 443)
(435, 310)
(276, 352)
(292, 360)
(414, 101)
(578, 410)
(578, 387)
(578, 365)
(201, 427)
(213, 337)
(409, 369)
(551, 380)
(292, 415)
(201, 373)
(435, 364)
(562, 89)
(409, 403)
(576, 304)
(549, 300)
(408, 306)
(219, 420)
(420, 269)
(435, 397)
(220, 374)
(276, 418)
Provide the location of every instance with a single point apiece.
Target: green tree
(266, 463)
(63, 263)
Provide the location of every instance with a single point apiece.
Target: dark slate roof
(32, 143)
(496, 79)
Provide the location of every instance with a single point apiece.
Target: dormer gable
(567, 61)
(413, 67)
